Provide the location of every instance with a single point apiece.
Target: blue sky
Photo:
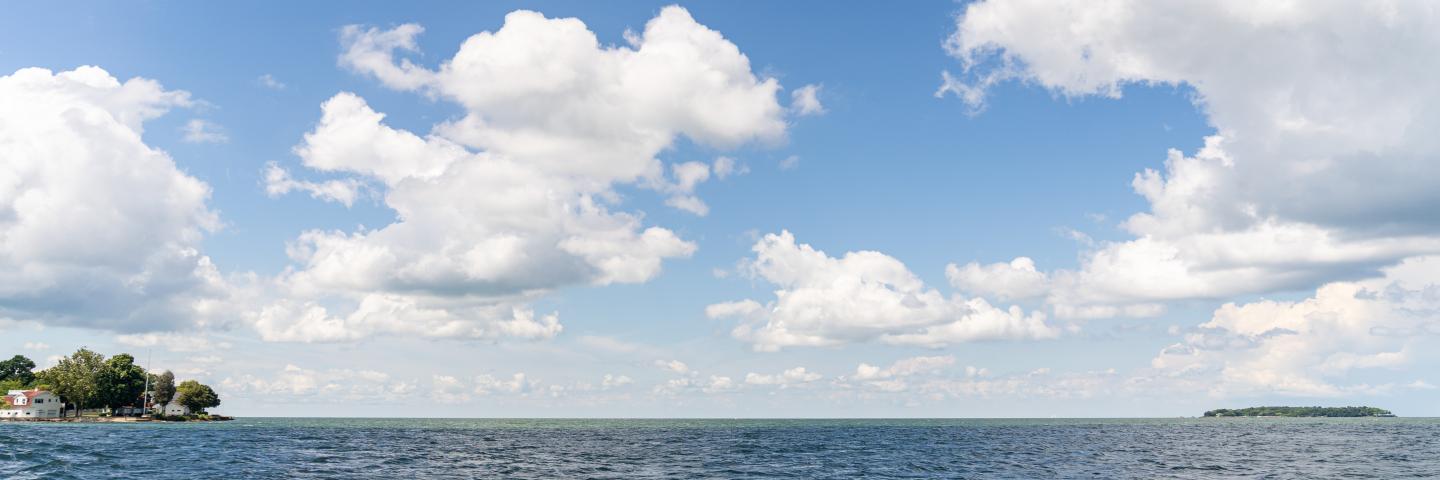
(1039, 164)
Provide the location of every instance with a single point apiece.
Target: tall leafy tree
(196, 396)
(18, 368)
(8, 385)
(121, 382)
(164, 387)
(76, 379)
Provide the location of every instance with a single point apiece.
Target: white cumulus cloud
(97, 228)
(905, 367)
(279, 182)
(1313, 346)
(806, 101)
(269, 81)
(615, 381)
(792, 376)
(1015, 280)
(516, 197)
(724, 167)
(675, 366)
(1322, 165)
(488, 384)
(861, 296)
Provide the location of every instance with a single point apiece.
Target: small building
(174, 408)
(31, 404)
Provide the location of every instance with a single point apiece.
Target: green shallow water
(725, 448)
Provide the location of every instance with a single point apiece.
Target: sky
(999, 208)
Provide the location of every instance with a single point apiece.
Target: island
(88, 387)
(1301, 412)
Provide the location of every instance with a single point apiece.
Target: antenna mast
(145, 402)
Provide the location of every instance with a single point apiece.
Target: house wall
(44, 405)
(33, 412)
(173, 408)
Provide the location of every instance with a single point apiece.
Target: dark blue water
(395, 448)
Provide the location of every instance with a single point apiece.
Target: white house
(31, 404)
(174, 408)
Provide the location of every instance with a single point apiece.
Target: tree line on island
(1301, 412)
(88, 380)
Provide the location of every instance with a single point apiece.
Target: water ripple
(430, 448)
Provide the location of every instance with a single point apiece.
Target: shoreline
(212, 418)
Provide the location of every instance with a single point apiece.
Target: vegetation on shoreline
(204, 417)
(1301, 412)
(88, 380)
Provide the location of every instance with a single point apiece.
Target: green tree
(164, 387)
(196, 396)
(18, 368)
(76, 379)
(121, 382)
(8, 385)
(1300, 412)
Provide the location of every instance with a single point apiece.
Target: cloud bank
(1316, 105)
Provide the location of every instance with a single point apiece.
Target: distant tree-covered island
(1301, 412)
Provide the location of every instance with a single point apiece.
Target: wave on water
(519, 448)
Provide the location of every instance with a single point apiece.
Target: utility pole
(145, 402)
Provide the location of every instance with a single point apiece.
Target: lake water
(493, 448)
